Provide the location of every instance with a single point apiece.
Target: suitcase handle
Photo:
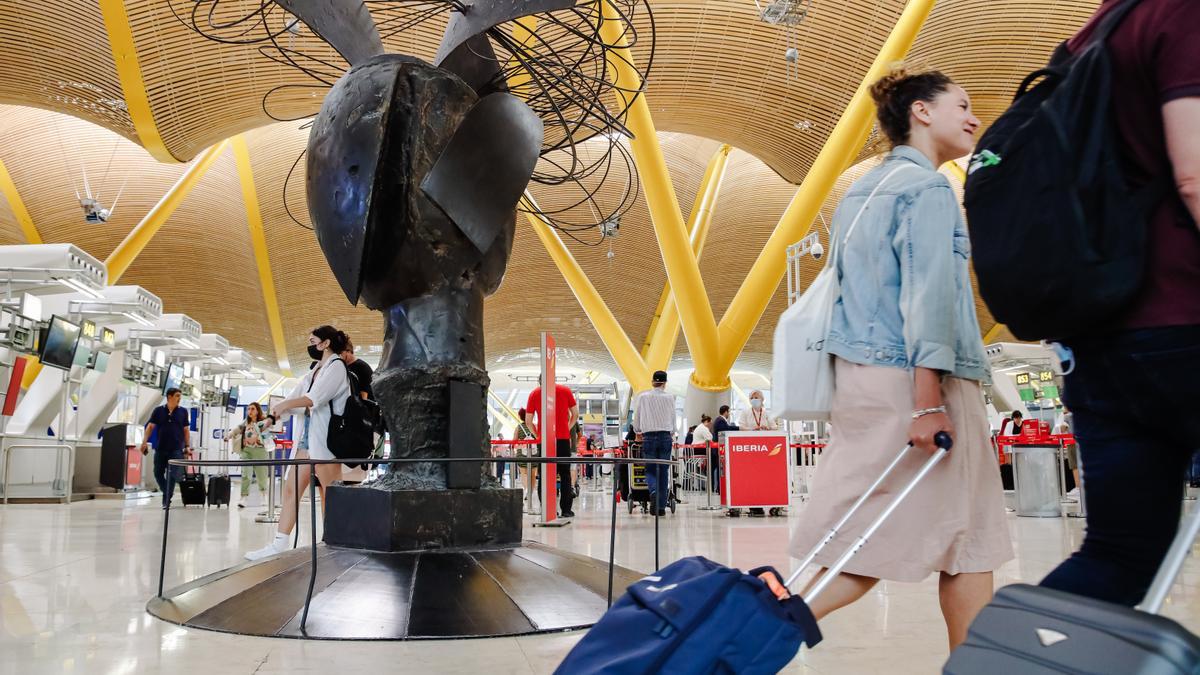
(944, 443)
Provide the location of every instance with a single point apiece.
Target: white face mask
(756, 403)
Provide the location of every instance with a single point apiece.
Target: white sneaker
(1072, 496)
(276, 547)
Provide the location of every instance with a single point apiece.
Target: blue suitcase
(698, 616)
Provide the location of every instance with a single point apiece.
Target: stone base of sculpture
(368, 517)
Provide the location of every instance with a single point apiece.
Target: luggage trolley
(634, 488)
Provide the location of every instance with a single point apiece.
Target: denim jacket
(906, 297)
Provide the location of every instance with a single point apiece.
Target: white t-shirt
(756, 420)
(701, 434)
(331, 385)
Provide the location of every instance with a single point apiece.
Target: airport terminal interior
(204, 203)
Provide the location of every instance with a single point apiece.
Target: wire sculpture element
(553, 58)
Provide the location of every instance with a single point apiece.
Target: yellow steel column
(665, 331)
(124, 254)
(843, 145)
(258, 240)
(522, 32)
(607, 327)
(699, 325)
(692, 222)
(957, 171)
(993, 332)
(129, 71)
(267, 394)
(9, 188)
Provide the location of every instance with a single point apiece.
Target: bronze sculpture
(414, 174)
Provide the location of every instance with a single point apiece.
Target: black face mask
(315, 353)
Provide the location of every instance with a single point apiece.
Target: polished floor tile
(74, 581)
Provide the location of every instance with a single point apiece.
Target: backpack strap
(1109, 23)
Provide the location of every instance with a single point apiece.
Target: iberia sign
(756, 469)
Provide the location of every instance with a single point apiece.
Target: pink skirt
(953, 522)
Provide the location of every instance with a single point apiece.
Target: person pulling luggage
(909, 363)
(654, 419)
(174, 441)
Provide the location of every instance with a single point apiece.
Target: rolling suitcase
(698, 616)
(1037, 631)
(191, 489)
(218, 490)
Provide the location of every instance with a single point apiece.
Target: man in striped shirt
(654, 419)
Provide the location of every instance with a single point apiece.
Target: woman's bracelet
(918, 414)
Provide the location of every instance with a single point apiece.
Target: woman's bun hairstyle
(337, 339)
(895, 93)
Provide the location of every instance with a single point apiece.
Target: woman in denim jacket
(910, 363)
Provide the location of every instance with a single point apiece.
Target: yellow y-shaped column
(683, 271)
(840, 150)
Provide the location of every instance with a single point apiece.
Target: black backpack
(1046, 183)
(352, 434)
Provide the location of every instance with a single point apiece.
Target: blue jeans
(1133, 395)
(657, 445)
(165, 485)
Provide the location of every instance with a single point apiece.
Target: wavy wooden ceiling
(719, 76)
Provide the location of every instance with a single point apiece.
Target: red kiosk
(755, 467)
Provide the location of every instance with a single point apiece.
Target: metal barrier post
(296, 514)
(708, 479)
(162, 561)
(656, 511)
(612, 532)
(312, 574)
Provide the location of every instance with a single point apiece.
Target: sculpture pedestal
(378, 519)
(365, 595)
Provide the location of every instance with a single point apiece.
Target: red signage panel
(546, 420)
(756, 469)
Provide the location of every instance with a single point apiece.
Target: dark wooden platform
(368, 595)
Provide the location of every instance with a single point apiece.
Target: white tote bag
(802, 373)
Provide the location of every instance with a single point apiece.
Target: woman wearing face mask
(757, 418)
(909, 364)
(320, 394)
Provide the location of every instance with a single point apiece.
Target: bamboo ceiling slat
(718, 76)
(55, 55)
(200, 262)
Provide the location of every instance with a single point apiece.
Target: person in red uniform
(566, 413)
(1143, 368)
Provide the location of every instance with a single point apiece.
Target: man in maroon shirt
(566, 413)
(1133, 388)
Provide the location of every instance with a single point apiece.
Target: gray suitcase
(1034, 631)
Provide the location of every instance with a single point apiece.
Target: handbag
(352, 434)
(802, 372)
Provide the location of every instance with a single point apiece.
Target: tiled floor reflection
(74, 581)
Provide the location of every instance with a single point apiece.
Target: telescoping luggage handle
(1172, 564)
(944, 443)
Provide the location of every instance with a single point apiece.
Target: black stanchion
(612, 538)
(312, 574)
(656, 512)
(162, 562)
(296, 513)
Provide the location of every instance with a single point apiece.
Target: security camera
(818, 251)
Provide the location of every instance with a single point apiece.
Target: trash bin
(1035, 473)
